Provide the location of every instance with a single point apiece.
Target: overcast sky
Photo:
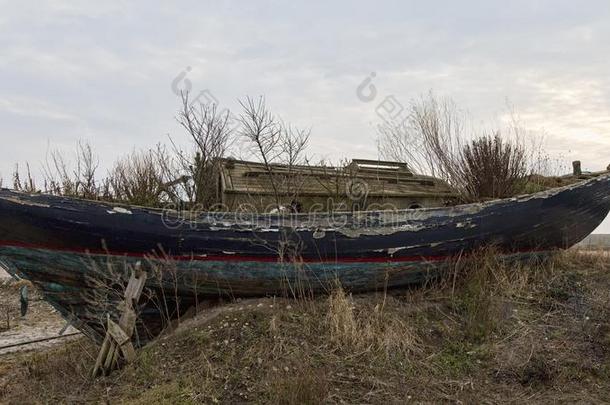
(103, 71)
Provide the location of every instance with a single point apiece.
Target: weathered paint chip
(119, 210)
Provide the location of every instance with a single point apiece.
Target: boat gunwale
(544, 194)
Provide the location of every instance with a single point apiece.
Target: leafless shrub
(80, 181)
(27, 184)
(493, 167)
(432, 141)
(211, 132)
(429, 140)
(143, 178)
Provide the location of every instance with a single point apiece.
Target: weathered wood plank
(118, 335)
(136, 284)
(101, 357)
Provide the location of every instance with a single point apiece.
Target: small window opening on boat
(415, 207)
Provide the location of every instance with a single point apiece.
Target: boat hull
(73, 282)
(67, 246)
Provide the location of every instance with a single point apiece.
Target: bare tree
(273, 141)
(260, 127)
(293, 145)
(211, 132)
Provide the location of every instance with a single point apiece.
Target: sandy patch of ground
(3, 274)
(41, 320)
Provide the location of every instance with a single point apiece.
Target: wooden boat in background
(78, 251)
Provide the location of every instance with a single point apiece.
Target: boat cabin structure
(359, 185)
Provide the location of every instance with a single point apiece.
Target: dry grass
(487, 332)
(366, 329)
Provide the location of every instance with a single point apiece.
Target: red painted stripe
(224, 257)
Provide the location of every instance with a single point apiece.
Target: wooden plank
(123, 341)
(136, 283)
(129, 353)
(110, 359)
(117, 333)
(128, 320)
(379, 163)
(101, 357)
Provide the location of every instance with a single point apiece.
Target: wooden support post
(118, 335)
(577, 171)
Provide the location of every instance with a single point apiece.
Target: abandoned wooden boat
(78, 251)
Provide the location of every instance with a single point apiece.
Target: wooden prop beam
(118, 335)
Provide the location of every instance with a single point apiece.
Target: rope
(38, 340)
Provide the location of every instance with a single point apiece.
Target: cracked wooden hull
(56, 242)
(68, 283)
